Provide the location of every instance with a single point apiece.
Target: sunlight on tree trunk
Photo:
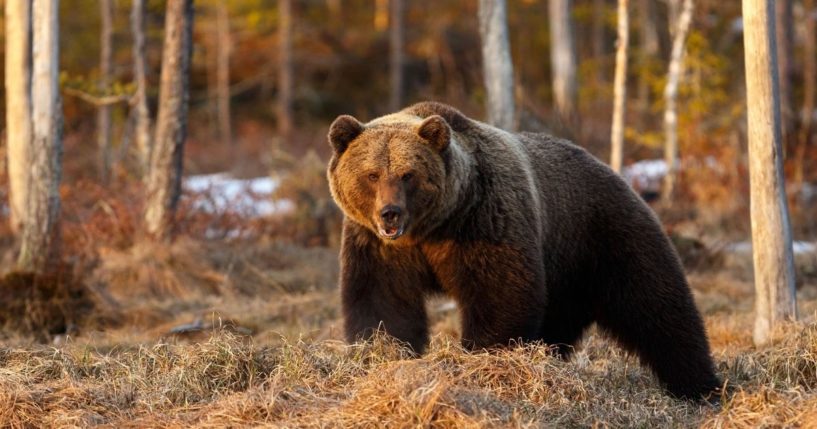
(39, 249)
(674, 75)
(18, 106)
(563, 59)
(223, 73)
(285, 69)
(809, 93)
(497, 64)
(775, 298)
(620, 88)
(784, 29)
(103, 114)
(164, 181)
(396, 36)
(142, 115)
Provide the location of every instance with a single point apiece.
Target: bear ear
(435, 131)
(342, 131)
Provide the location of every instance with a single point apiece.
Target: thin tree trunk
(674, 75)
(497, 64)
(334, 7)
(40, 240)
(381, 14)
(809, 93)
(164, 181)
(563, 59)
(775, 298)
(103, 114)
(143, 138)
(223, 74)
(599, 7)
(285, 69)
(785, 54)
(18, 106)
(620, 88)
(648, 39)
(396, 41)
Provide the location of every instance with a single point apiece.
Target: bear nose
(390, 213)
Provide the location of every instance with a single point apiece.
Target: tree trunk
(648, 39)
(620, 88)
(396, 41)
(40, 240)
(674, 75)
(771, 231)
(223, 74)
(497, 64)
(285, 69)
(785, 54)
(103, 114)
(142, 117)
(599, 7)
(563, 59)
(164, 181)
(809, 93)
(18, 106)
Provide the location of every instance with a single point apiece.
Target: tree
(809, 92)
(784, 34)
(18, 106)
(165, 176)
(103, 115)
(223, 72)
(285, 68)
(620, 88)
(142, 113)
(496, 63)
(775, 298)
(40, 239)
(674, 75)
(563, 58)
(396, 41)
(597, 36)
(381, 14)
(649, 47)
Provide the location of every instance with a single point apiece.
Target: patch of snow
(799, 247)
(645, 175)
(220, 193)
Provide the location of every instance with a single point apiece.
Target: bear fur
(532, 236)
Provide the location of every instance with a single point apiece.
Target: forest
(169, 244)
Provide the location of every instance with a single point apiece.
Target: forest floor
(209, 333)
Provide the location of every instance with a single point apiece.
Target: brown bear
(532, 236)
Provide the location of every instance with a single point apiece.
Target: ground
(235, 324)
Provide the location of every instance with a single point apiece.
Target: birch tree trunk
(164, 180)
(784, 29)
(497, 64)
(563, 58)
(620, 88)
(223, 73)
(674, 75)
(39, 249)
(285, 69)
(142, 115)
(18, 106)
(809, 93)
(103, 113)
(396, 41)
(775, 298)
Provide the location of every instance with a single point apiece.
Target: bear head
(389, 175)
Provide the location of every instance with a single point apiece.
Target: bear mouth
(391, 232)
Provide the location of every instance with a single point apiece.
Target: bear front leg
(382, 288)
(501, 293)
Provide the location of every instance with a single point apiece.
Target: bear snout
(392, 221)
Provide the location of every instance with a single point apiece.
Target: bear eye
(373, 177)
(406, 177)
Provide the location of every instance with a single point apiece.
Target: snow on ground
(220, 193)
(645, 175)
